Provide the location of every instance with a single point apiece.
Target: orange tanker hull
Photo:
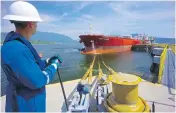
(100, 44)
(106, 51)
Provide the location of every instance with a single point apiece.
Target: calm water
(76, 64)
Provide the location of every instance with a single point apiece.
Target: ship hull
(106, 50)
(99, 44)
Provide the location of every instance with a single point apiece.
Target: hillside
(47, 37)
(52, 37)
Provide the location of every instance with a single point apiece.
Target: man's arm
(29, 73)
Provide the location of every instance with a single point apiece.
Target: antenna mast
(90, 27)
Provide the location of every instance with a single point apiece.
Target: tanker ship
(100, 44)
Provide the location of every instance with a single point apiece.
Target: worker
(26, 72)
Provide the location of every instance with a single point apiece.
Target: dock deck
(162, 96)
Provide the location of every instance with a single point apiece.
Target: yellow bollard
(125, 88)
(124, 96)
(114, 106)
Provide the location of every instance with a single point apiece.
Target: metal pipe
(62, 88)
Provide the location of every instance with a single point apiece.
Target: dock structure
(163, 98)
(157, 53)
(150, 47)
(164, 65)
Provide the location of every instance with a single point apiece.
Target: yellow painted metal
(113, 106)
(125, 87)
(124, 79)
(117, 106)
(125, 94)
(161, 66)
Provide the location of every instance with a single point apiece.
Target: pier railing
(162, 61)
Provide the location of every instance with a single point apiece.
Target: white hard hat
(22, 11)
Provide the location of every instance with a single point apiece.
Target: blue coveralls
(27, 75)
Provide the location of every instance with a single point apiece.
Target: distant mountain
(52, 37)
(47, 37)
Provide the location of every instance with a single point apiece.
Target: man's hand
(55, 59)
(56, 62)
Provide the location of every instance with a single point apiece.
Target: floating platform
(163, 97)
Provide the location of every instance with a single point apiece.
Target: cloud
(79, 26)
(48, 27)
(86, 16)
(123, 10)
(3, 12)
(75, 7)
(122, 20)
(64, 14)
(48, 18)
(6, 26)
(82, 5)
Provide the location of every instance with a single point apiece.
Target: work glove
(58, 64)
(55, 59)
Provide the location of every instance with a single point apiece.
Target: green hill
(44, 37)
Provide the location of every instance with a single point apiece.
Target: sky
(153, 18)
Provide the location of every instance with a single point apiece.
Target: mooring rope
(89, 71)
(110, 69)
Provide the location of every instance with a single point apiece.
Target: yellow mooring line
(112, 72)
(88, 74)
(100, 71)
(110, 69)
